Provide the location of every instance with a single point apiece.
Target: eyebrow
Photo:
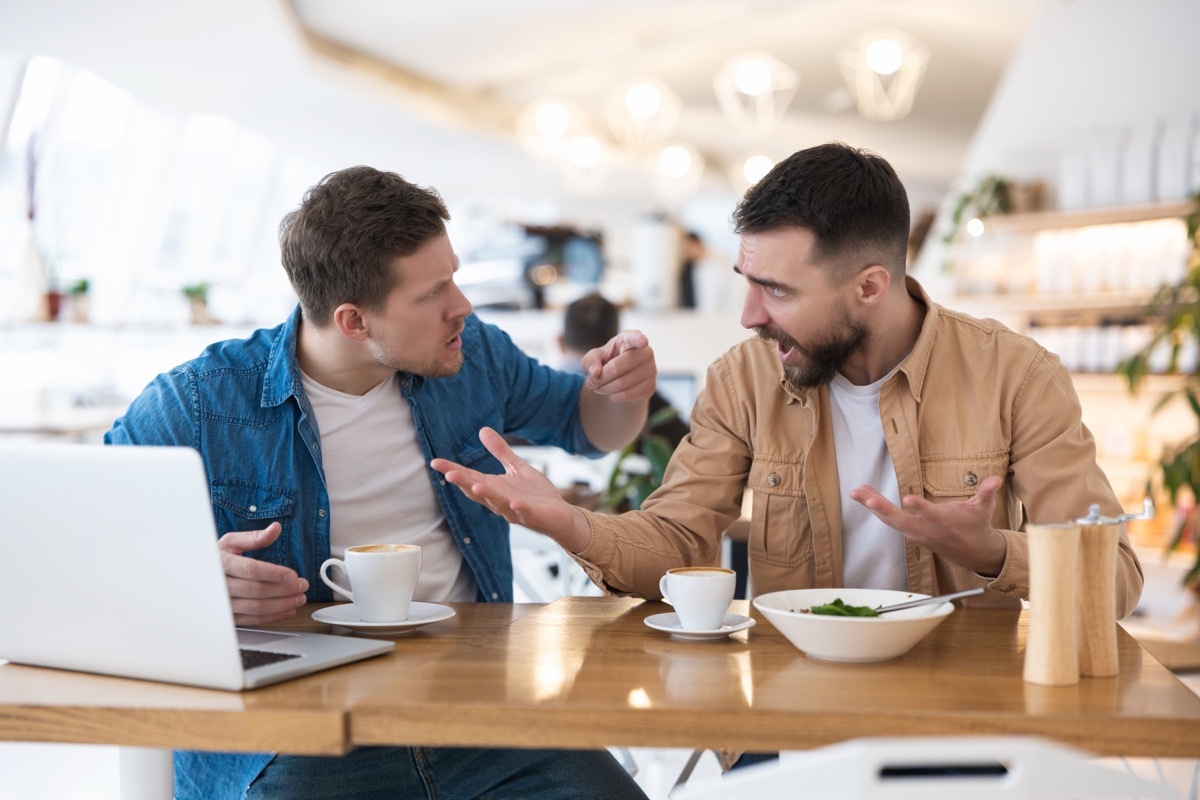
(446, 281)
(764, 282)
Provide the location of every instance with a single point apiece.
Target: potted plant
(80, 301)
(639, 467)
(990, 196)
(197, 297)
(1176, 309)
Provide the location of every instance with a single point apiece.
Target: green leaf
(639, 491)
(838, 608)
(664, 414)
(657, 451)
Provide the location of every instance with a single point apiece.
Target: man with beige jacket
(888, 442)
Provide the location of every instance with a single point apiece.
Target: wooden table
(304, 716)
(586, 672)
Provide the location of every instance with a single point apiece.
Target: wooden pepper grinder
(1097, 607)
(1098, 538)
(1051, 650)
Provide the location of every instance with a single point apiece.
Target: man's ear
(872, 284)
(350, 322)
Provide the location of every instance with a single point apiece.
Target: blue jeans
(444, 773)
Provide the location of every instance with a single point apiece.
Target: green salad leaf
(839, 609)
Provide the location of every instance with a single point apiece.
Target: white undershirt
(872, 553)
(379, 491)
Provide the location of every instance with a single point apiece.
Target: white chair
(931, 768)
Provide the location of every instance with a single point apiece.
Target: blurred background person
(590, 322)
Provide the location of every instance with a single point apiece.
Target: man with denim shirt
(888, 442)
(317, 434)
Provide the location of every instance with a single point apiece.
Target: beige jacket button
(970, 479)
(773, 480)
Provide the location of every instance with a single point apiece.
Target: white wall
(1086, 69)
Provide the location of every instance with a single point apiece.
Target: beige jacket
(972, 399)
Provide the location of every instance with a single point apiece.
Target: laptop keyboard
(260, 658)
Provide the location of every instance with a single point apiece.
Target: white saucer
(347, 615)
(732, 623)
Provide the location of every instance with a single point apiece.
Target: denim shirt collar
(282, 378)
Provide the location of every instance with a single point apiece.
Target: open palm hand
(522, 494)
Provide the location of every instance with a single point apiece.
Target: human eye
(777, 291)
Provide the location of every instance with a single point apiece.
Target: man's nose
(464, 308)
(752, 311)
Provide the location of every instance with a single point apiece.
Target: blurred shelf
(1049, 220)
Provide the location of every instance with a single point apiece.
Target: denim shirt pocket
(780, 530)
(242, 505)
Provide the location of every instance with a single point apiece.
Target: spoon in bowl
(941, 598)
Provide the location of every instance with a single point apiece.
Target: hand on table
(522, 495)
(623, 370)
(259, 592)
(961, 531)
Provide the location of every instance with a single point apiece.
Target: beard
(430, 365)
(822, 359)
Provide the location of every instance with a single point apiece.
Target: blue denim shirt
(242, 406)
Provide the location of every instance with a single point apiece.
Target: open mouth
(785, 352)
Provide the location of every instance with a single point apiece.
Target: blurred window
(95, 185)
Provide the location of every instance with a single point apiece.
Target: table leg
(146, 773)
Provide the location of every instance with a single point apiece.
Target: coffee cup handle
(662, 589)
(335, 562)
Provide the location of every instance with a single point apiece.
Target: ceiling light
(754, 89)
(584, 165)
(752, 76)
(748, 170)
(544, 127)
(884, 56)
(642, 113)
(680, 167)
(883, 70)
(674, 161)
(643, 100)
(755, 167)
(551, 119)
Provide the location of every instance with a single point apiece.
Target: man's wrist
(579, 534)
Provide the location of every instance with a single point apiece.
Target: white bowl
(854, 639)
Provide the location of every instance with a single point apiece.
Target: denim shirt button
(466, 540)
(495, 596)
(320, 512)
(252, 509)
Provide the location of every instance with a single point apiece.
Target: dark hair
(850, 199)
(339, 245)
(590, 322)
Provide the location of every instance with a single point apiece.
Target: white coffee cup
(700, 595)
(382, 577)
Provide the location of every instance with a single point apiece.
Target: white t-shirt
(379, 491)
(872, 552)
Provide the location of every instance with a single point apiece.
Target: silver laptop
(112, 566)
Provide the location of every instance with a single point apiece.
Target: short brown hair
(338, 246)
(850, 199)
(589, 323)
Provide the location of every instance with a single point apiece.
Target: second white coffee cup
(700, 595)
(383, 578)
